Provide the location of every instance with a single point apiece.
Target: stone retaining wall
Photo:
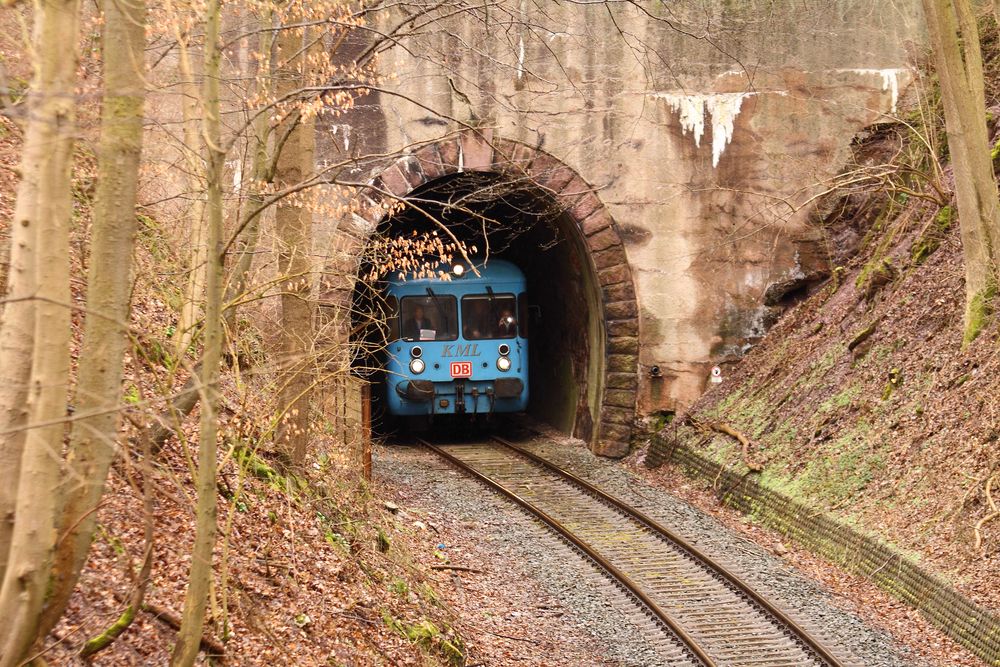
(971, 625)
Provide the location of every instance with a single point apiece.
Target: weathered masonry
(685, 146)
(605, 358)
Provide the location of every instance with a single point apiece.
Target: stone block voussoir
(623, 363)
(430, 162)
(521, 158)
(393, 182)
(622, 398)
(596, 221)
(618, 328)
(613, 256)
(477, 150)
(623, 345)
(556, 179)
(606, 238)
(549, 173)
(543, 163)
(505, 158)
(616, 275)
(410, 167)
(585, 207)
(574, 189)
(503, 150)
(620, 292)
(448, 150)
(621, 310)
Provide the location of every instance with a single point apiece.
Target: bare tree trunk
(955, 40)
(193, 620)
(17, 330)
(34, 536)
(293, 224)
(93, 441)
(193, 144)
(262, 173)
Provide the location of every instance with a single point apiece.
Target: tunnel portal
(513, 202)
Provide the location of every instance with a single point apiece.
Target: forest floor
(317, 574)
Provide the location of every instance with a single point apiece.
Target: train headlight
(504, 349)
(503, 364)
(458, 270)
(417, 366)
(416, 351)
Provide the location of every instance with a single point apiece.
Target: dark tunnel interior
(518, 222)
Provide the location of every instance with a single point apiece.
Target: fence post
(366, 430)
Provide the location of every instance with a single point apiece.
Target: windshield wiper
(437, 304)
(493, 301)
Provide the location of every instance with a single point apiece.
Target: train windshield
(431, 317)
(489, 316)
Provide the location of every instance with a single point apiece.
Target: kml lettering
(469, 350)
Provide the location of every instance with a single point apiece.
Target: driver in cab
(413, 326)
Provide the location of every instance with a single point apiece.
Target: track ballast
(707, 615)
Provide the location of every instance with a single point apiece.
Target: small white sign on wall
(716, 375)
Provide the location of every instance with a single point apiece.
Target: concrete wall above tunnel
(711, 154)
(612, 366)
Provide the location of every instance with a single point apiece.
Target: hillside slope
(862, 401)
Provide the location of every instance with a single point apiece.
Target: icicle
(890, 81)
(692, 112)
(347, 134)
(520, 46)
(723, 109)
(520, 59)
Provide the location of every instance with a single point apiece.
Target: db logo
(461, 369)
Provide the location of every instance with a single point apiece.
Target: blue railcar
(458, 346)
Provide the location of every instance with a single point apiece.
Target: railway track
(704, 614)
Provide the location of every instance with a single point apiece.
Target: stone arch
(616, 366)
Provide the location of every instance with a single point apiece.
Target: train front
(458, 346)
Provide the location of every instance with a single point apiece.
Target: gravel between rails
(593, 604)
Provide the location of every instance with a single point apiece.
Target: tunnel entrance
(515, 203)
(520, 223)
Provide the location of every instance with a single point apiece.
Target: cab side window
(391, 311)
(522, 314)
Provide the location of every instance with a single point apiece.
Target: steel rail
(690, 643)
(797, 630)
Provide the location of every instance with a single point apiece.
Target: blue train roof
(492, 270)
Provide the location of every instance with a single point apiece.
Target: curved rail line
(714, 615)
